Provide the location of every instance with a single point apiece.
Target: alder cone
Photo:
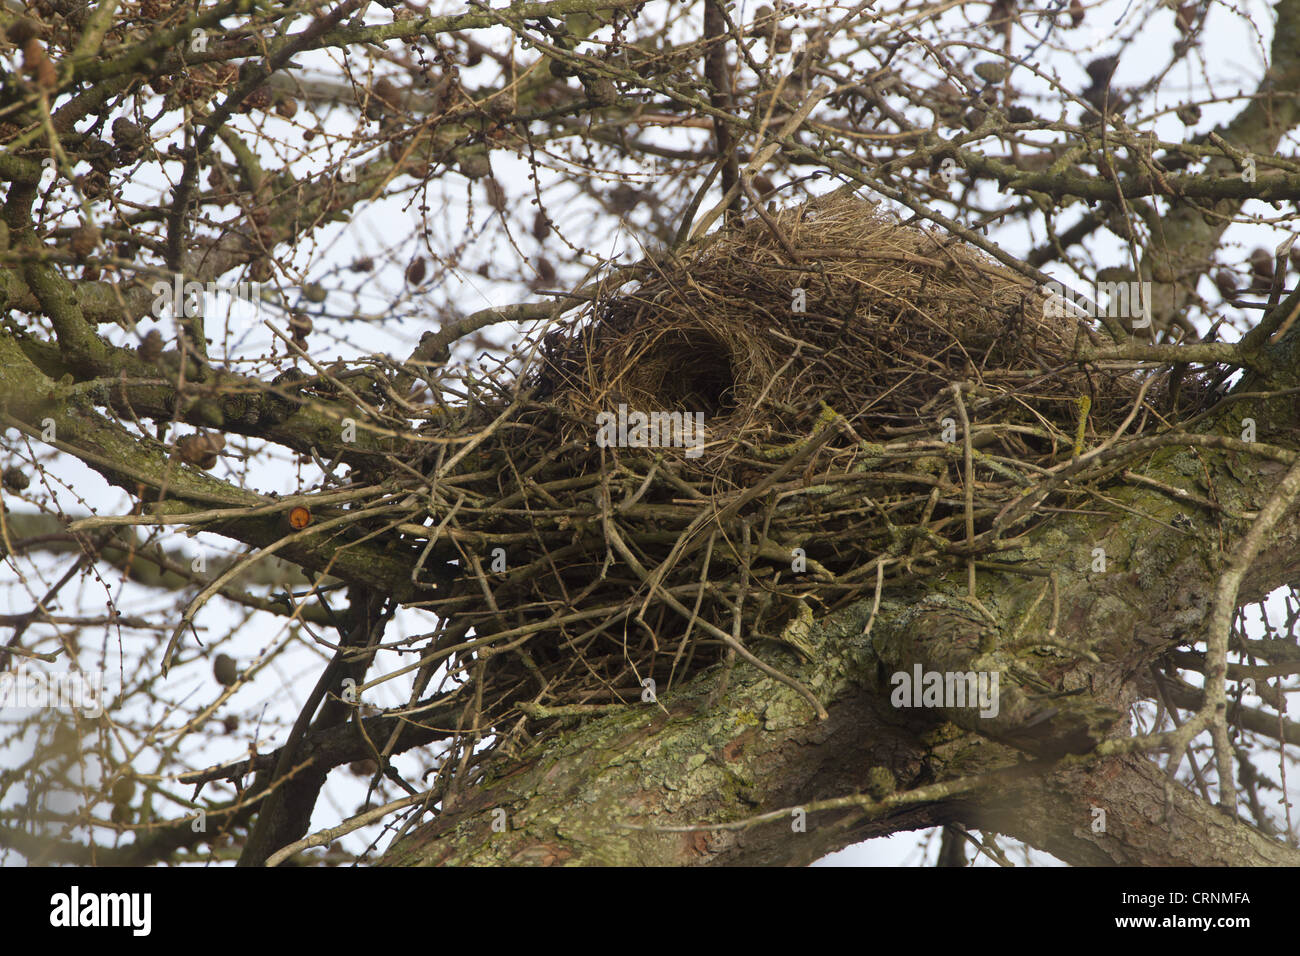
(92, 184)
(260, 99)
(151, 347)
(15, 480)
(127, 134)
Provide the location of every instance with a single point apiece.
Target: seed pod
(601, 90)
(1226, 282)
(123, 790)
(151, 346)
(121, 813)
(384, 97)
(624, 198)
(219, 181)
(496, 196)
(415, 271)
(36, 63)
(541, 226)
(502, 105)
(223, 74)
(225, 670)
(545, 271)
(1261, 270)
(230, 724)
(1076, 12)
(84, 240)
(945, 101)
(364, 264)
(201, 449)
(991, 72)
(474, 164)
(260, 270)
(21, 30)
(1101, 70)
(300, 326)
(287, 107)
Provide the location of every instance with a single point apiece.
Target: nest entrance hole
(686, 370)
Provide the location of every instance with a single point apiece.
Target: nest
(832, 356)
